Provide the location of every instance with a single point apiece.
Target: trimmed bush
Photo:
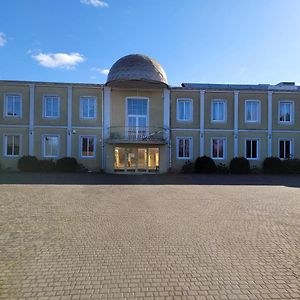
(188, 167)
(28, 164)
(66, 164)
(272, 165)
(222, 169)
(205, 164)
(47, 165)
(239, 165)
(290, 166)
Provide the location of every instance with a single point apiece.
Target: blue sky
(208, 41)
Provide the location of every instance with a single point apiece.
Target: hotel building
(136, 122)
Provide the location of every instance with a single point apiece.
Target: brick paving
(149, 241)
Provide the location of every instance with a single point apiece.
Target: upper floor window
(88, 107)
(252, 111)
(218, 111)
(184, 109)
(87, 146)
(252, 149)
(51, 145)
(51, 107)
(13, 105)
(12, 145)
(218, 148)
(184, 147)
(286, 112)
(285, 149)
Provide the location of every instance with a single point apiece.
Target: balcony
(137, 135)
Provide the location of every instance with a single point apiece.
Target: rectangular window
(87, 146)
(184, 109)
(51, 106)
(51, 145)
(218, 111)
(184, 148)
(286, 112)
(285, 149)
(218, 148)
(88, 107)
(252, 149)
(252, 111)
(13, 105)
(12, 145)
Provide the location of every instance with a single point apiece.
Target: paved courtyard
(144, 239)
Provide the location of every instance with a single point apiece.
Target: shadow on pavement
(166, 179)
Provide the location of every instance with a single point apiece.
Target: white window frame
(258, 110)
(257, 148)
(190, 119)
(224, 148)
(126, 109)
(291, 147)
(81, 137)
(44, 145)
(81, 99)
(5, 135)
(190, 147)
(5, 110)
(291, 122)
(45, 116)
(224, 101)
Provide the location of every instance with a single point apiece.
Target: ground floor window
(285, 149)
(184, 147)
(87, 146)
(12, 145)
(252, 149)
(136, 159)
(51, 146)
(218, 148)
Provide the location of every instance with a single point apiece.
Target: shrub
(205, 164)
(222, 169)
(290, 166)
(28, 164)
(272, 165)
(188, 167)
(66, 164)
(239, 165)
(47, 165)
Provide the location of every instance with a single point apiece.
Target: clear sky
(207, 41)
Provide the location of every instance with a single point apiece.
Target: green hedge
(239, 165)
(205, 164)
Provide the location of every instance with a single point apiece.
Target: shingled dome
(137, 70)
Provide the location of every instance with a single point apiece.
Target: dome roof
(136, 70)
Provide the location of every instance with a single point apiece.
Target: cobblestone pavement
(149, 241)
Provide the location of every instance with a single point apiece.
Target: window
(137, 117)
(286, 111)
(51, 145)
(252, 111)
(88, 107)
(252, 149)
(184, 110)
(51, 107)
(218, 113)
(285, 149)
(218, 148)
(87, 146)
(184, 148)
(12, 145)
(13, 105)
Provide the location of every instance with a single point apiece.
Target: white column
(202, 98)
(69, 122)
(270, 115)
(31, 119)
(166, 122)
(106, 114)
(236, 124)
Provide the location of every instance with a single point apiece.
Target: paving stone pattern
(149, 242)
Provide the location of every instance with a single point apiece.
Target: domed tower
(137, 70)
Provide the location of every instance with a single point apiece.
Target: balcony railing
(137, 134)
